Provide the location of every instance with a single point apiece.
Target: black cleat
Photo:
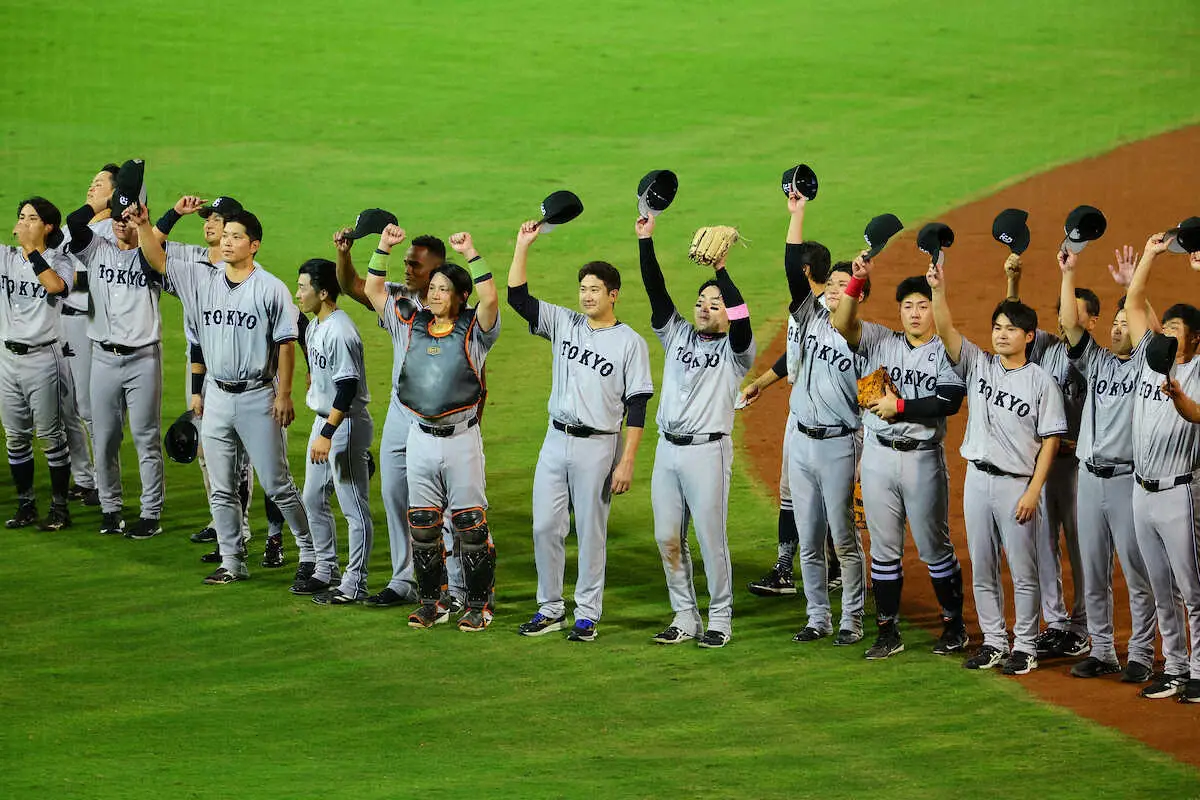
(144, 528)
(1047, 641)
(1071, 644)
(809, 634)
(986, 657)
(311, 585)
(1165, 685)
(887, 644)
(111, 524)
(428, 615)
(673, 635)
(212, 558)
(26, 515)
(88, 497)
(953, 639)
(584, 631)
(222, 576)
(540, 624)
(1020, 663)
(273, 557)
(713, 640)
(1136, 672)
(847, 636)
(335, 597)
(1092, 667)
(775, 583)
(204, 536)
(388, 598)
(58, 518)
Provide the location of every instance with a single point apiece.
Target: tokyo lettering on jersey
(335, 353)
(125, 293)
(917, 373)
(701, 379)
(825, 392)
(28, 313)
(78, 298)
(1165, 445)
(1106, 427)
(792, 351)
(1050, 353)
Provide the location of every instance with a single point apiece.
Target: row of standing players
(1019, 489)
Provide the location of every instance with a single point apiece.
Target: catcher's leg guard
(477, 554)
(429, 553)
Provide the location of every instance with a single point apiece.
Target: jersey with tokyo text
(239, 326)
(701, 379)
(594, 370)
(825, 392)
(792, 352)
(28, 313)
(1050, 353)
(125, 293)
(1165, 445)
(1011, 411)
(917, 373)
(1106, 428)
(78, 298)
(335, 353)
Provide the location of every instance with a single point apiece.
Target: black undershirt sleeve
(347, 388)
(524, 304)
(793, 267)
(945, 403)
(635, 410)
(1076, 350)
(661, 306)
(740, 332)
(780, 367)
(77, 224)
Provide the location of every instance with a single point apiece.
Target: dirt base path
(1141, 188)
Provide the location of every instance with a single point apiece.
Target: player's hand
(1027, 506)
(283, 411)
(1172, 389)
(1127, 259)
(885, 406)
(644, 227)
(392, 235)
(461, 242)
(934, 275)
(197, 406)
(1012, 265)
(341, 240)
(748, 395)
(528, 233)
(319, 453)
(796, 202)
(137, 215)
(1157, 244)
(861, 268)
(1067, 261)
(189, 204)
(622, 477)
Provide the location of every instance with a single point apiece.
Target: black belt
(73, 312)
(237, 387)
(578, 431)
(1164, 484)
(907, 445)
(696, 438)
(1108, 470)
(442, 431)
(823, 433)
(119, 349)
(992, 469)
(21, 349)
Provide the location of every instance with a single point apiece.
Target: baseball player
(600, 376)
(341, 435)
(1066, 633)
(1166, 497)
(125, 329)
(1105, 485)
(823, 453)
(446, 344)
(693, 461)
(424, 254)
(904, 473)
(1016, 419)
(34, 381)
(246, 326)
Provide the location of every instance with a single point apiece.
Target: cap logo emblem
(1004, 237)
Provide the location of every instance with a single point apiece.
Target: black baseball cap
(1160, 352)
(879, 230)
(372, 220)
(181, 441)
(129, 187)
(559, 208)
(801, 180)
(1011, 228)
(225, 206)
(656, 190)
(933, 238)
(1084, 224)
(1185, 236)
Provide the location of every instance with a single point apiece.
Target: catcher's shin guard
(429, 553)
(477, 554)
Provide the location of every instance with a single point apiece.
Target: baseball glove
(874, 386)
(710, 245)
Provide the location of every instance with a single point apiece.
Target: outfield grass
(122, 676)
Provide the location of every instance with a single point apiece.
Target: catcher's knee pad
(425, 524)
(429, 566)
(470, 525)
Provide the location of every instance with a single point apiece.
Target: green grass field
(122, 676)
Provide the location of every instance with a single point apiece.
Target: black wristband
(383, 252)
(473, 260)
(168, 220)
(197, 383)
(328, 430)
(487, 276)
(379, 273)
(38, 262)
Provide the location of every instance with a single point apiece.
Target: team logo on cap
(1004, 237)
(124, 200)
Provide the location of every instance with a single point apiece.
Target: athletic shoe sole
(881, 653)
(540, 631)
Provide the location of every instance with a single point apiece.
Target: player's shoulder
(626, 333)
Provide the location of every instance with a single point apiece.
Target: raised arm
(1122, 274)
(1012, 273)
(799, 289)
(741, 335)
(1135, 299)
(845, 316)
(661, 305)
(350, 282)
(375, 286)
(152, 248)
(942, 319)
(1068, 311)
(1188, 408)
(188, 204)
(488, 308)
(518, 289)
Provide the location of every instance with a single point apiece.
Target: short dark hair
(431, 243)
(1090, 301)
(816, 256)
(606, 272)
(1019, 314)
(848, 268)
(706, 284)
(1121, 303)
(459, 278)
(249, 222)
(916, 284)
(1189, 315)
(49, 214)
(322, 273)
(112, 169)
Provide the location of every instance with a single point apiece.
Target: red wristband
(854, 288)
(899, 405)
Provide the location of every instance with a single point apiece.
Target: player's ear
(254, 247)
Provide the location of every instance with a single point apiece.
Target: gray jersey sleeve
(701, 378)
(1050, 353)
(1165, 445)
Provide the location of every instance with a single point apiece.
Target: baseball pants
(1060, 494)
(244, 467)
(345, 474)
(1105, 514)
(989, 510)
(1166, 525)
(78, 418)
(691, 483)
(34, 390)
(573, 474)
(130, 387)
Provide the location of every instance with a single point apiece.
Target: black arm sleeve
(945, 403)
(81, 282)
(635, 410)
(346, 389)
(524, 304)
(167, 221)
(740, 333)
(780, 367)
(661, 307)
(196, 354)
(1075, 351)
(793, 266)
(77, 224)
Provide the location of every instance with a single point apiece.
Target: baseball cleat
(222, 576)
(774, 584)
(1092, 667)
(89, 497)
(1020, 663)
(809, 634)
(144, 528)
(953, 639)
(311, 585)
(1047, 641)
(713, 640)
(1164, 685)
(1071, 644)
(540, 624)
(475, 619)
(1136, 672)
(847, 636)
(887, 644)
(452, 604)
(204, 536)
(672, 635)
(985, 657)
(58, 518)
(26, 515)
(273, 557)
(584, 631)
(111, 523)
(427, 615)
(388, 598)
(335, 597)
(304, 571)
(212, 558)
(1191, 692)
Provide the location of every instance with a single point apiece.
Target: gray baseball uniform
(1166, 510)
(1105, 502)
(1050, 353)
(335, 353)
(1011, 411)
(240, 328)
(126, 333)
(788, 540)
